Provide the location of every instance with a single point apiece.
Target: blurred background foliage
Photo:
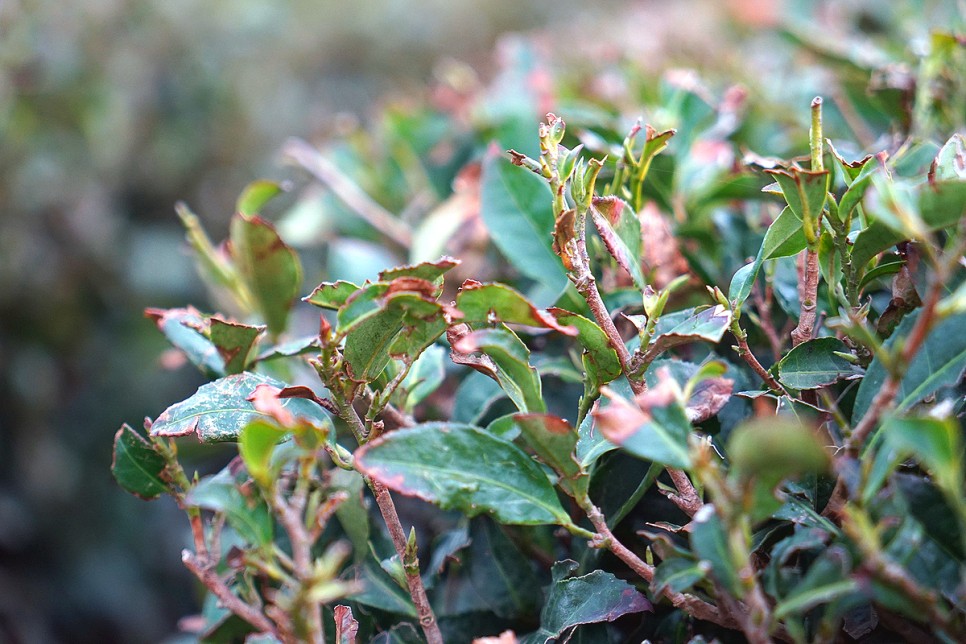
(113, 110)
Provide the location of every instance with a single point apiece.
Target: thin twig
(306, 156)
(424, 610)
(694, 606)
(745, 353)
(687, 499)
(206, 574)
(427, 619)
(586, 285)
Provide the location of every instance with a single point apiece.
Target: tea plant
(768, 451)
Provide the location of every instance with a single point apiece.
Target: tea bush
(657, 382)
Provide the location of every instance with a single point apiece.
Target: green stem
(815, 136)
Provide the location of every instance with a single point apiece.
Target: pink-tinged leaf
(487, 303)
(429, 271)
(620, 230)
(346, 627)
(708, 397)
(481, 363)
(506, 637)
(653, 426)
(331, 295)
(266, 401)
(234, 342)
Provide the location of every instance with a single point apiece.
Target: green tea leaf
(771, 449)
(137, 467)
(331, 295)
(814, 364)
(555, 442)
(708, 325)
(785, 237)
(255, 195)
(379, 590)
(185, 329)
(256, 442)
(213, 265)
(950, 163)
(805, 192)
(219, 410)
(221, 493)
(487, 303)
(939, 363)
(516, 208)
(935, 443)
(518, 379)
(289, 348)
(593, 598)
(599, 358)
(425, 376)
(744, 280)
(856, 190)
(709, 542)
(937, 205)
(463, 468)
(827, 581)
(234, 342)
(676, 575)
(269, 267)
(383, 320)
(429, 271)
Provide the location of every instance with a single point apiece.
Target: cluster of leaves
(668, 485)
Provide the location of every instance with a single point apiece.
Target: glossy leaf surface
(219, 410)
(463, 468)
(814, 364)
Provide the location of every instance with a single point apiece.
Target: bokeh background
(113, 110)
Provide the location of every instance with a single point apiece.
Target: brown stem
(198, 532)
(290, 515)
(427, 619)
(206, 574)
(586, 285)
(687, 499)
(808, 294)
(744, 352)
(694, 606)
(306, 156)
